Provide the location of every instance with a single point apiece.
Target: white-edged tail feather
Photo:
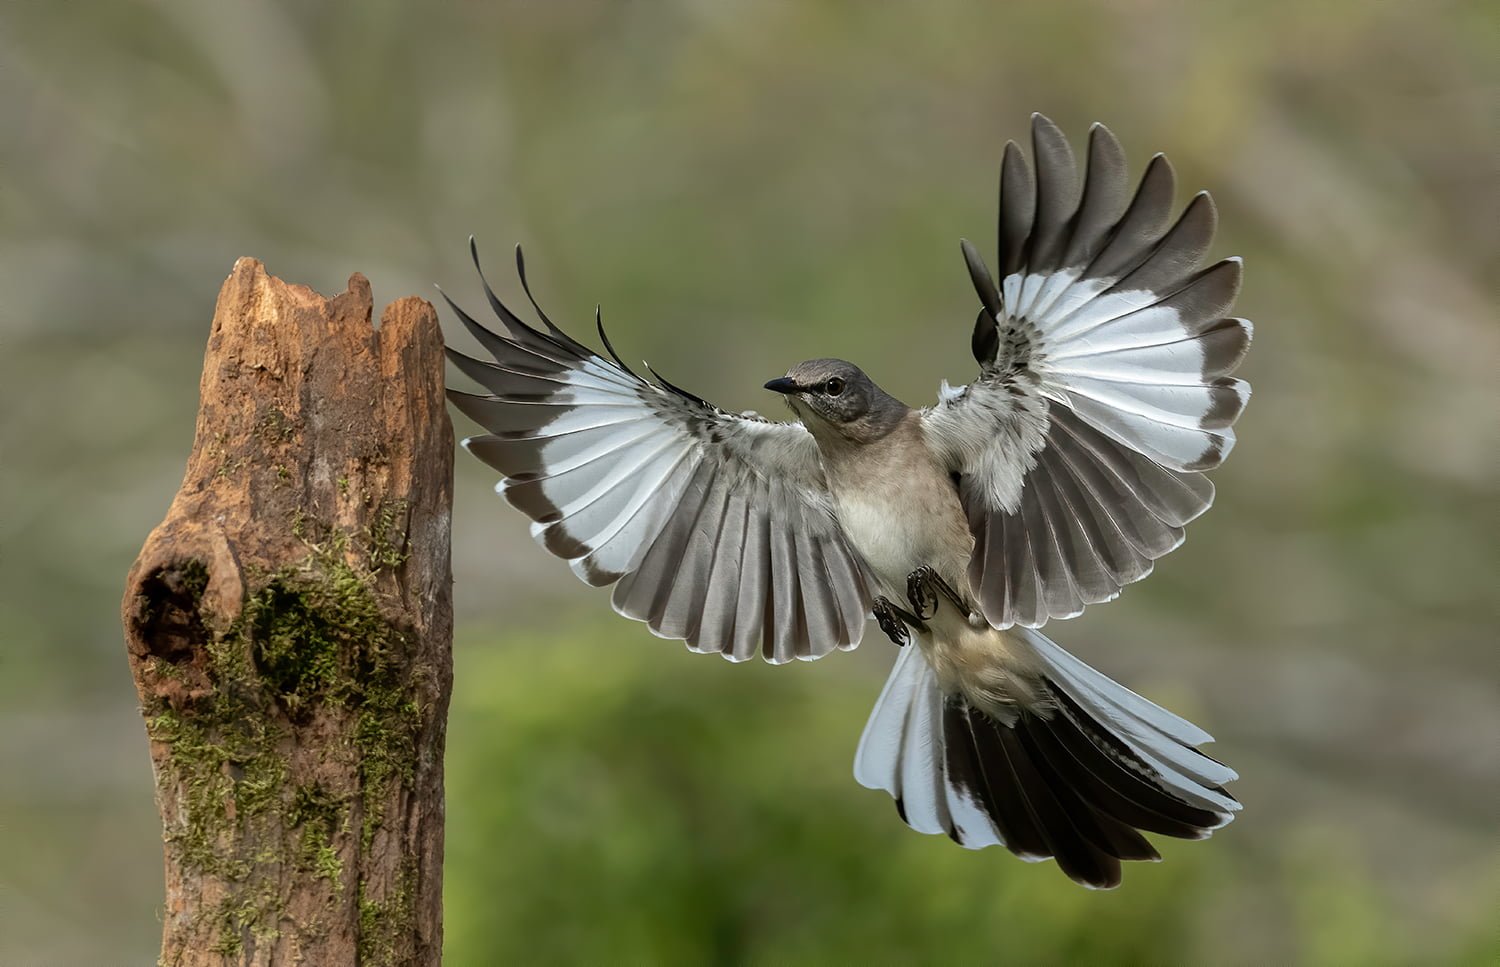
(1077, 780)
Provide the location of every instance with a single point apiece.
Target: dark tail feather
(1077, 781)
(1061, 785)
(976, 761)
(1111, 777)
(1065, 819)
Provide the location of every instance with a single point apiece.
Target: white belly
(896, 533)
(969, 656)
(891, 539)
(901, 514)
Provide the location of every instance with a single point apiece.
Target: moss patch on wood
(384, 921)
(311, 648)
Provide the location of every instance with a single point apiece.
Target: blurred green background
(743, 185)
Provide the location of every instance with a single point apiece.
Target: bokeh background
(742, 185)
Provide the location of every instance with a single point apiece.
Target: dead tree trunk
(289, 628)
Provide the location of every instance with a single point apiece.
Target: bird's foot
(922, 589)
(896, 621)
(921, 592)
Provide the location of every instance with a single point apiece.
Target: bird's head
(836, 400)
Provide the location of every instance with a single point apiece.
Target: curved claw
(923, 588)
(921, 592)
(895, 622)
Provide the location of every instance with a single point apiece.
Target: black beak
(783, 384)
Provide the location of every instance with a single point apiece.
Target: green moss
(310, 636)
(386, 738)
(384, 923)
(321, 816)
(229, 943)
(275, 426)
(318, 635)
(328, 866)
(161, 668)
(227, 768)
(256, 913)
(386, 537)
(192, 577)
(218, 449)
(313, 805)
(307, 627)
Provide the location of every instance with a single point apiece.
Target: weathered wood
(289, 628)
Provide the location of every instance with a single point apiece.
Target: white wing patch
(714, 529)
(1106, 349)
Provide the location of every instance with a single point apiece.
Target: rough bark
(289, 628)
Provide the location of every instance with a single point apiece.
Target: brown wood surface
(289, 629)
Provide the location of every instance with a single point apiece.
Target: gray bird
(1055, 478)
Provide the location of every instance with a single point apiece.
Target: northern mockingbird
(1055, 478)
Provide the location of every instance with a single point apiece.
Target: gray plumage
(714, 528)
(1108, 324)
(1070, 464)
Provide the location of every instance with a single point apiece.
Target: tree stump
(289, 629)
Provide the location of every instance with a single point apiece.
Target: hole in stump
(168, 618)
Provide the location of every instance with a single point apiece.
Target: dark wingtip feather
(556, 332)
(1145, 222)
(1225, 344)
(1057, 183)
(507, 383)
(1045, 134)
(985, 343)
(476, 369)
(1105, 151)
(1208, 214)
(1047, 137)
(488, 338)
(1017, 208)
(510, 319)
(526, 287)
(463, 402)
(678, 390)
(979, 274)
(608, 346)
(1160, 167)
(475, 407)
(986, 338)
(1100, 135)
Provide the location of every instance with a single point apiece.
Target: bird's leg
(923, 587)
(896, 621)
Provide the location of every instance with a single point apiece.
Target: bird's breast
(892, 536)
(900, 510)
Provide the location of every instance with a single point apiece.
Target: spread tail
(1077, 782)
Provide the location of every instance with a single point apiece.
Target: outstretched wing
(1104, 388)
(715, 529)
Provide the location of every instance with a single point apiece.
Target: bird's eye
(834, 386)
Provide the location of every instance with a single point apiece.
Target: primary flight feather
(1057, 476)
